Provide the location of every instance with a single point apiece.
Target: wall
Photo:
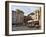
(2, 19)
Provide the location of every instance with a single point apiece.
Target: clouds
(25, 9)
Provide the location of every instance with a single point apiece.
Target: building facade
(36, 16)
(17, 17)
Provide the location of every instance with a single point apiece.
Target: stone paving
(18, 28)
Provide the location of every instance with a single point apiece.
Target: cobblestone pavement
(14, 28)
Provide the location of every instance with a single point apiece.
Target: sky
(26, 9)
